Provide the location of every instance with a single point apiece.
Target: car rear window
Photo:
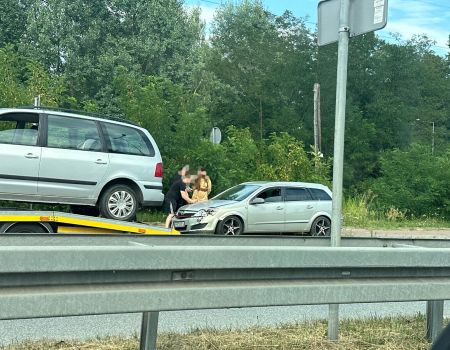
(297, 195)
(320, 195)
(73, 133)
(126, 140)
(19, 129)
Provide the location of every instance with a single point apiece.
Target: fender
(234, 213)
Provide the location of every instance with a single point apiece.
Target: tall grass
(359, 212)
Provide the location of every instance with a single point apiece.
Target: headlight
(204, 213)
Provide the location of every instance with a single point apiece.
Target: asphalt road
(182, 321)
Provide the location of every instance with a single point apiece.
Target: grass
(357, 213)
(399, 333)
(151, 216)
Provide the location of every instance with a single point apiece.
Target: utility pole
(260, 118)
(432, 140)
(317, 121)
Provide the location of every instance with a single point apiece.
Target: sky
(405, 17)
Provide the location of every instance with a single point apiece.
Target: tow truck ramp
(13, 221)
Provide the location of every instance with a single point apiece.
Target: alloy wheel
(121, 204)
(232, 227)
(322, 227)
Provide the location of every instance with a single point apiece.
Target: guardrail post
(435, 319)
(149, 330)
(333, 322)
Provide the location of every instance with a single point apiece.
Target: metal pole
(319, 120)
(149, 330)
(341, 96)
(435, 319)
(338, 162)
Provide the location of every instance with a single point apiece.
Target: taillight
(159, 171)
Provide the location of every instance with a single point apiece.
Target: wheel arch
(227, 215)
(8, 225)
(123, 181)
(317, 215)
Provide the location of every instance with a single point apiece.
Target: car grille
(184, 215)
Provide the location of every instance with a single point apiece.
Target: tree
(13, 16)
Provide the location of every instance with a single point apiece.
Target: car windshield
(237, 193)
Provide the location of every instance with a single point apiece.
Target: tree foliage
(252, 75)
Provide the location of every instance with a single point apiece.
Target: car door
(74, 161)
(269, 215)
(20, 155)
(300, 208)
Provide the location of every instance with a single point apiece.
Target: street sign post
(338, 20)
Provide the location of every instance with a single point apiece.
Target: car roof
(286, 184)
(67, 113)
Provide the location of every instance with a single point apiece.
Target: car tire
(27, 227)
(230, 226)
(321, 227)
(84, 210)
(119, 202)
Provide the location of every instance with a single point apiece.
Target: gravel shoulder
(397, 233)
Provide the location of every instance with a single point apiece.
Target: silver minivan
(52, 156)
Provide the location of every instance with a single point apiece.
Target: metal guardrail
(122, 274)
(211, 240)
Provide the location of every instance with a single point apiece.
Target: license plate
(179, 224)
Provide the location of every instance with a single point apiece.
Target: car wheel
(84, 210)
(29, 227)
(119, 202)
(231, 226)
(321, 227)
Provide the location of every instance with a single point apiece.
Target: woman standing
(202, 186)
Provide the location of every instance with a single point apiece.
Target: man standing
(177, 193)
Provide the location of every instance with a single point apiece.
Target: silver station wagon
(52, 156)
(261, 207)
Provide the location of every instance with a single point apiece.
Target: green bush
(414, 182)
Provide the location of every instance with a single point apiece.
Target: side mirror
(257, 201)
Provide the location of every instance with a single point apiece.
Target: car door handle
(309, 207)
(101, 161)
(31, 156)
(279, 208)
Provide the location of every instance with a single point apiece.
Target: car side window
(320, 195)
(19, 129)
(271, 195)
(297, 195)
(73, 133)
(127, 140)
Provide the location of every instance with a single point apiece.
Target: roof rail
(90, 114)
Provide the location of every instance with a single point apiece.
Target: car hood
(206, 205)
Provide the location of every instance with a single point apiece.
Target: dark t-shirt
(174, 191)
(175, 178)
